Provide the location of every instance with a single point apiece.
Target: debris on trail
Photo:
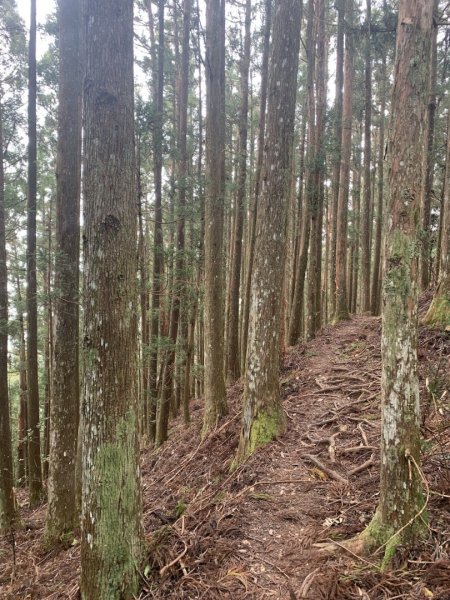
(251, 533)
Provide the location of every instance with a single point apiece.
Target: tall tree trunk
(234, 370)
(48, 354)
(346, 146)
(111, 541)
(427, 189)
(158, 245)
(310, 189)
(341, 5)
(262, 416)
(7, 509)
(253, 208)
(401, 501)
(438, 315)
(316, 201)
(376, 275)
(179, 287)
(62, 515)
(365, 213)
(34, 441)
(215, 399)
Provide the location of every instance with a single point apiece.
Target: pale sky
(43, 8)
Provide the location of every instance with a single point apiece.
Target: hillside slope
(251, 533)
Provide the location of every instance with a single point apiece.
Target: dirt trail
(251, 534)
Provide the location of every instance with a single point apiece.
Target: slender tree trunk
(34, 441)
(365, 213)
(158, 244)
(438, 315)
(341, 6)
(111, 542)
(7, 508)
(401, 501)
(310, 187)
(346, 146)
(262, 416)
(233, 324)
(429, 160)
(376, 275)
(215, 399)
(316, 202)
(179, 287)
(62, 513)
(48, 354)
(253, 209)
(22, 441)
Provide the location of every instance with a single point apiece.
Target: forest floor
(251, 534)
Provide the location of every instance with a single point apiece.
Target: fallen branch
(174, 561)
(325, 469)
(362, 467)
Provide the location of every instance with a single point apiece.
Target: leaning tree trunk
(62, 515)
(111, 543)
(262, 416)
(401, 501)
(215, 399)
(34, 440)
(7, 511)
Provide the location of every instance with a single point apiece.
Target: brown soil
(250, 534)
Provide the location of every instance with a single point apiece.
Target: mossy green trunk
(262, 412)
(111, 543)
(400, 485)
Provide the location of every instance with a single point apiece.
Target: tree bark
(365, 213)
(234, 370)
(34, 441)
(253, 208)
(262, 417)
(341, 6)
(62, 515)
(429, 160)
(7, 509)
(297, 311)
(158, 243)
(438, 315)
(342, 208)
(401, 481)
(376, 275)
(111, 541)
(215, 399)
